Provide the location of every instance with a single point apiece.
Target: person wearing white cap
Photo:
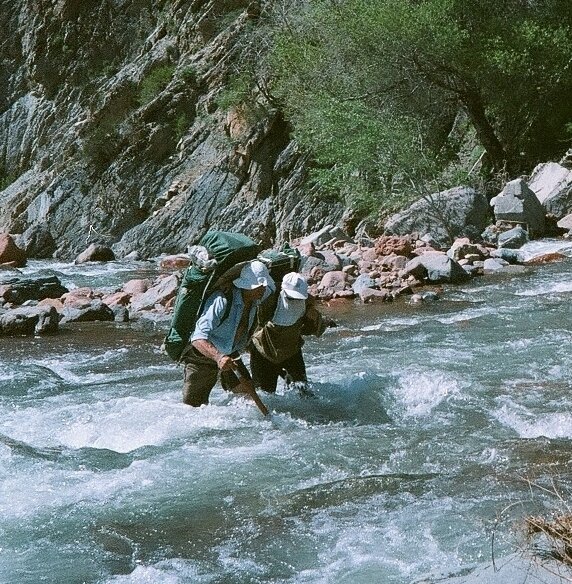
(222, 332)
(276, 346)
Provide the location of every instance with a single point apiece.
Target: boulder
(443, 216)
(512, 256)
(157, 295)
(565, 222)
(95, 253)
(362, 282)
(463, 247)
(29, 320)
(513, 238)
(393, 245)
(38, 242)
(373, 296)
(517, 203)
(19, 290)
(10, 253)
(137, 286)
(87, 311)
(175, 262)
(552, 185)
(436, 267)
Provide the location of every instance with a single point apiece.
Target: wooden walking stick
(246, 386)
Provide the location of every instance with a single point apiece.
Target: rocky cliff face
(110, 128)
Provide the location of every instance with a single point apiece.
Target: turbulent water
(435, 429)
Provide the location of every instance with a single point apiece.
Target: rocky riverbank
(340, 270)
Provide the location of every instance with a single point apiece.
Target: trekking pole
(246, 384)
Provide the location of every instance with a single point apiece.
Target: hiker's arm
(209, 320)
(206, 348)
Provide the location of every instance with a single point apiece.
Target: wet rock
(95, 253)
(18, 290)
(513, 238)
(373, 296)
(545, 258)
(436, 267)
(29, 320)
(87, 311)
(512, 256)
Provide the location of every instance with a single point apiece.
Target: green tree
(372, 86)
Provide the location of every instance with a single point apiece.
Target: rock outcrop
(113, 130)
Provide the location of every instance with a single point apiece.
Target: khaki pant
(201, 374)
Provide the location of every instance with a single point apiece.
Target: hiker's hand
(225, 363)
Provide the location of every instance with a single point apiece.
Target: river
(435, 429)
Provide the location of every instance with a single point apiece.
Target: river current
(435, 430)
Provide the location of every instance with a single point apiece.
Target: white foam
(529, 425)
(548, 288)
(420, 392)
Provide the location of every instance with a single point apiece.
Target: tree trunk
(473, 103)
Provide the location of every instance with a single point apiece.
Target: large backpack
(228, 249)
(281, 262)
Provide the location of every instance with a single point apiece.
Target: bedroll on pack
(224, 251)
(281, 262)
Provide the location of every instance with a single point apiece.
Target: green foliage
(372, 88)
(181, 125)
(154, 83)
(237, 92)
(189, 75)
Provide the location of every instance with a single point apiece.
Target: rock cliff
(111, 131)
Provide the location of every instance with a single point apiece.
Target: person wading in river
(276, 346)
(222, 331)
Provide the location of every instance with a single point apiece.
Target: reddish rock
(78, 294)
(137, 286)
(372, 296)
(175, 262)
(336, 281)
(393, 244)
(55, 302)
(10, 253)
(159, 294)
(117, 299)
(307, 249)
(545, 259)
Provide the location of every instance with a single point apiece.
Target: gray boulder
(443, 216)
(29, 320)
(436, 267)
(517, 203)
(38, 241)
(95, 253)
(513, 238)
(19, 290)
(94, 310)
(552, 185)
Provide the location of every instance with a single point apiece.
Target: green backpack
(228, 249)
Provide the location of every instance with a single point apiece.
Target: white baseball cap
(294, 286)
(252, 275)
